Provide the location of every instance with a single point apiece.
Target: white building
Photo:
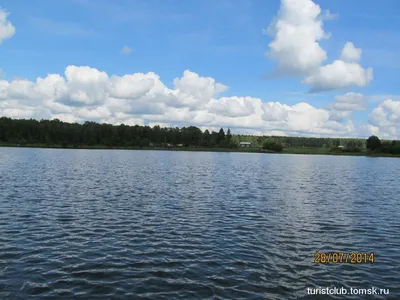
(244, 144)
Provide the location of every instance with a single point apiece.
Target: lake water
(115, 224)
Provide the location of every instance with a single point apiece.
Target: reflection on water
(90, 224)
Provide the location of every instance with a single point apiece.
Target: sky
(278, 67)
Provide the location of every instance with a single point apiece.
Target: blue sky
(223, 40)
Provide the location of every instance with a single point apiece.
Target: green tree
(221, 136)
(229, 135)
(352, 146)
(396, 149)
(206, 138)
(373, 143)
(144, 142)
(272, 145)
(386, 147)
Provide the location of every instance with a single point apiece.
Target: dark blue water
(102, 224)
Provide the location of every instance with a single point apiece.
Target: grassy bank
(291, 150)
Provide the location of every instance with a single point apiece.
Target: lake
(115, 224)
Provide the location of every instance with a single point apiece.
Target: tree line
(58, 133)
(63, 134)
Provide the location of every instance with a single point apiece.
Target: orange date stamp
(344, 258)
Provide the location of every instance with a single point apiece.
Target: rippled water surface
(110, 224)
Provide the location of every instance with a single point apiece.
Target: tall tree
(373, 143)
(229, 135)
(206, 138)
(221, 136)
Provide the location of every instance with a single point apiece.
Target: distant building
(244, 144)
(341, 146)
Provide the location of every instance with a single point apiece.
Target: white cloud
(350, 102)
(86, 93)
(233, 106)
(17, 112)
(194, 91)
(7, 29)
(93, 114)
(386, 114)
(85, 75)
(386, 117)
(126, 50)
(344, 105)
(275, 111)
(161, 124)
(83, 86)
(339, 115)
(131, 86)
(3, 89)
(339, 75)
(22, 89)
(297, 30)
(66, 118)
(303, 116)
(328, 16)
(368, 130)
(350, 53)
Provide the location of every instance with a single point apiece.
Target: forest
(55, 133)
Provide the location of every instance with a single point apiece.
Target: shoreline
(292, 150)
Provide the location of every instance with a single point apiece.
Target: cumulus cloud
(297, 30)
(350, 53)
(85, 93)
(131, 86)
(344, 105)
(7, 29)
(275, 111)
(195, 91)
(83, 86)
(22, 89)
(386, 114)
(385, 119)
(303, 116)
(339, 115)
(349, 102)
(126, 50)
(233, 106)
(338, 75)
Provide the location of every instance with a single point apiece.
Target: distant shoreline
(291, 150)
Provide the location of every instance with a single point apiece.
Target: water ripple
(87, 224)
